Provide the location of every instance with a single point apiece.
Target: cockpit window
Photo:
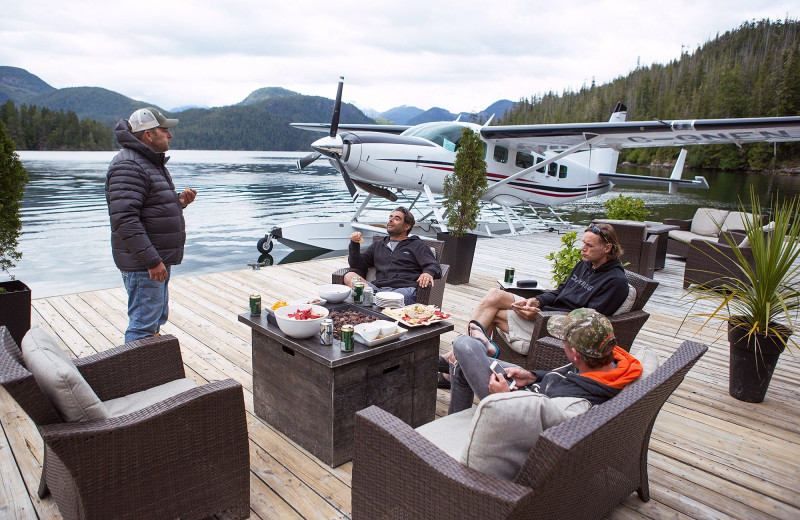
(445, 135)
(500, 154)
(524, 160)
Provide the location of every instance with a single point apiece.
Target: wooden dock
(710, 455)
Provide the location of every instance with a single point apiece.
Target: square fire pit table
(310, 392)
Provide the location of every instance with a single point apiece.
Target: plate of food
(417, 315)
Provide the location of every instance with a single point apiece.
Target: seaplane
(529, 167)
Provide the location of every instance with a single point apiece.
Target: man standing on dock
(402, 263)
(147, 227)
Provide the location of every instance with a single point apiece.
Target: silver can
(368, 296)
(326, 332)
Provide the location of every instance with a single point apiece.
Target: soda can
(368, 296)
(255, 305)
(347, 338)
(358, 292)
(509, 275)
(326, 332)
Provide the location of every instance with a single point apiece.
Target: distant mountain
(432, 114)
(406, 115)
(401, 115)
(267, 93)
(19, 84)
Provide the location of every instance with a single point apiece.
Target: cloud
(459, 55)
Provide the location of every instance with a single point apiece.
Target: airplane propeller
(332, 145)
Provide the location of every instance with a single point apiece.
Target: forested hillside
(32, 128)
(753, 71)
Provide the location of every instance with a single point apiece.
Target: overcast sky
(458, 55)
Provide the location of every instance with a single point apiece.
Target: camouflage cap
(585, 330)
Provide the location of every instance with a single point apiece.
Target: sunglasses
(597, 231)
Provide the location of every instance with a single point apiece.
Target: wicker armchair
(398, 474)
(547, 352)
(186, 456)
(639, 250)
(707, 262)
(431, 295)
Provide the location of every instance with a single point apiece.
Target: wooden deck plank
(711, 456)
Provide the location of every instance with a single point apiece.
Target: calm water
(241, 195)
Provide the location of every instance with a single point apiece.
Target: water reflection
(241, 195)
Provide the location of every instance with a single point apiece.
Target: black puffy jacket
(147, 225)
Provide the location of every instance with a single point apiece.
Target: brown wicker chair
(186, 456)
(639, 250)
(581, 468)
(431, 295)
(547, 352)
(708, 262)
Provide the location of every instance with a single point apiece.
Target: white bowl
(368, 331)
(299, 328)
(313, 300)
(334, 293)
(387, 327)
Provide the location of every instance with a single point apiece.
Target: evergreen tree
(464, 188)
(13, 179)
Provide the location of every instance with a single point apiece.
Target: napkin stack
(391, 300)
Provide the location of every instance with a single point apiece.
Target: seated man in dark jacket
(598, 368)
(402, 263)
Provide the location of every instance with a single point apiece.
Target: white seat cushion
(735, 221)
(506, 426)
(707, 221)
(450, 433)
(649, 360)
(627, 305)
(134, 402)
(59, 379)
(688, 236)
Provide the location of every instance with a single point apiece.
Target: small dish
(368, 331)
(387, 327)
(380, 340)
(313, 300)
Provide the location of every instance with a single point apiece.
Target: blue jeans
(470, 375)
(409, 293)
(148, 304)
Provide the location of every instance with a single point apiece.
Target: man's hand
(497, 384)
(521, 376)
(185, 198)
(355, 236)
(158, 273)
(425, 280)
(526, 309)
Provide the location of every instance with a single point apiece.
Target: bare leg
(492, 310)
(348, 278)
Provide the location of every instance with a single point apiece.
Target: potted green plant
(15, 297)
(759, 304)
(461, 199)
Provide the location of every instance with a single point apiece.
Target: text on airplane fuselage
(710, 138)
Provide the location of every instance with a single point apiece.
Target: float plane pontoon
(529, 167)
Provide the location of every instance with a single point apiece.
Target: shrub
(626, 208)
(565, 258)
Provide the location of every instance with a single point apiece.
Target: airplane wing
(325, 127)
(640, 134)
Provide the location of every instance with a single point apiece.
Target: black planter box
(15, 309)
(458, 254)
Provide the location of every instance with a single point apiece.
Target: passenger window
(562, 172)
(501, 154)
(524, 160)
(538, 160)
(449, 145)
(552, 169)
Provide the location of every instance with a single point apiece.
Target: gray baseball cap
(147, 118)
